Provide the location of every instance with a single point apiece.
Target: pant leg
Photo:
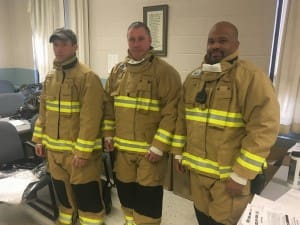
(141, 187)
(211, 198)
(86, 187)
(148, 207)
(125, 171)
(150, 179)
(61, 182)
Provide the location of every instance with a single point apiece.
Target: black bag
(31, 93)
(107, 183)
(106, 195)
(258, 183)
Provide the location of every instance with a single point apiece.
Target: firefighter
(229, 119)
(67, 132)
(141, 114)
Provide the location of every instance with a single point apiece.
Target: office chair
(6, 87)
(10, 103)
(12, 156)
(10, 150)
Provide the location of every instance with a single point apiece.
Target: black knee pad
(149, 201)
(61, 192)
(203, 219)
(213, 222)
(88, 197)
(126, 193)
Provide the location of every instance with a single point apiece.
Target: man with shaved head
(228, 120)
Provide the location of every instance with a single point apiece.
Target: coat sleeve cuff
(238, 179)
(83, 155)
(156, 150)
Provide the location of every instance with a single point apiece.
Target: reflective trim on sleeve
(251, 161)
(164, 136)
(88, 146)
(37, 132)
(108, 125)
(178, 141)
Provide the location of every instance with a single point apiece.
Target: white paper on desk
(16, 122)
(290, 200)
(267, 203)
(262, 211)
(13, 187)
(261, 215)
(252, 215)
(295, 148)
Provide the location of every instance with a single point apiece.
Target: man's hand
(152, 157)
(79, 162)
(178, 166)
(39, 150)
(233, 188)
(108, 145)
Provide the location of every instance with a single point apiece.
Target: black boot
(202, 218)
(213, 222)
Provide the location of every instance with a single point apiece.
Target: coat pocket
(144, 94)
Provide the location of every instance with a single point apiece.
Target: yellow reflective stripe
(37, 132)
(164, 136)
(57, 144)
(251, 161)
(108, 125)
(89, 221)
(88, 146)
(131, 146)
(129, 220)
(147, 104)
(66, 145)
(205, 165)
(63, 106)
(178, 141)
(137, 103)
(65, 218)
(213, 116)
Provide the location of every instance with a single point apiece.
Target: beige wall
(5, 44)
(15, 41)
(189, 23)
(21, 35)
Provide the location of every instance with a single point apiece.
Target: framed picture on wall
(156, 18)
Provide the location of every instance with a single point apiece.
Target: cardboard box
(181, 184)
(168, 183)
(278, 156)
(280, 148)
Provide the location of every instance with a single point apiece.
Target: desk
(277, 204)
(277, 185)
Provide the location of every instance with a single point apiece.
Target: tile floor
(176, 211)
